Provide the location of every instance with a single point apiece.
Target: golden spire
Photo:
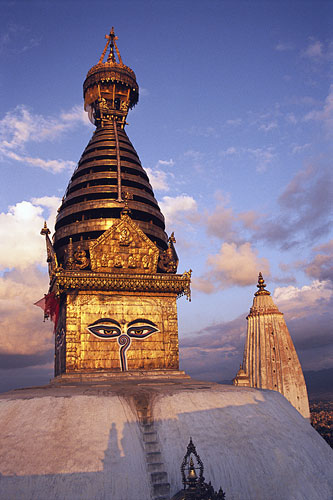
(261, 286)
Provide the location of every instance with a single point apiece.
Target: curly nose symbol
(124, 342)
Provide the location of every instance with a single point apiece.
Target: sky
(234, 127)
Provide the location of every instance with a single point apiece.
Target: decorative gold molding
(152, 283)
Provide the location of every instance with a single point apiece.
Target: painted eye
(104, 330)
(141, 331)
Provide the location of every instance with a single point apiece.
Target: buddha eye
(141, 330)
(104, 330)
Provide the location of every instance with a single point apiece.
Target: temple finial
(45, 230)
(111, 40)
(110, 89)
(261, 286)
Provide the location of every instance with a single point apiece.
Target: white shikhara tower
(270, 359)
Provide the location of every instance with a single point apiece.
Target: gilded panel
(121, 332)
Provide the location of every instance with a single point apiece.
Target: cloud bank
(20, 126)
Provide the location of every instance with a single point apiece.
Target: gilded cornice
(179, 284)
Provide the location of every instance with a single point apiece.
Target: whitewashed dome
(125, 439)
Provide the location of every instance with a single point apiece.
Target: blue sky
(234, 126)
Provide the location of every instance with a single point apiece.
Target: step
(159, 477)
(149, 447)
(161, 488)
(153, 457)
(147, 427)
(150, 437)
(155, 467)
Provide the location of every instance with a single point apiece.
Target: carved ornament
(121, 282)
(124, 246)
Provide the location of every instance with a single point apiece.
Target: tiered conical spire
(109, 170)
(270, 359)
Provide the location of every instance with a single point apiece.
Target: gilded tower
(113, 269)
(270, 359)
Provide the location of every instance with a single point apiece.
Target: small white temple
(270, 358)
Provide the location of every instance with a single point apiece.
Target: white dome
(85, 441)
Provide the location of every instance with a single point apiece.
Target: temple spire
(270, 359)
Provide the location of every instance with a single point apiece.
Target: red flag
(50, 305)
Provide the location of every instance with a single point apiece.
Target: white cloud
(268, 126)
(21, 244)
(17, 39)
(284, 46)
(321, 265)
(20, 126)
(159, 179)
(197, 159)
(237, 265)
(304, 210)
(22, 330)
(75, 115)
(203, 131)
(174, 208)
(229, 151)
(298, 148)
(324, 115)
(264, 156)
(297, 302)
(235, 122)
(314, 50)
(165, 163)
(234, 265)
(221, 223)
(291, 118)
(53, 166)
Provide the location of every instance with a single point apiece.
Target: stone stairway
(158, 477)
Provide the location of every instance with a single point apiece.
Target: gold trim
(153, 283)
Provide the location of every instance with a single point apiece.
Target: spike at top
(261, 286)
(45, 230)
(111, 40)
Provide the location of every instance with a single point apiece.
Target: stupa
(116, 420)
(270, 358)
(112, 267)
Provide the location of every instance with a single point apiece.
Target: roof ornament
(45, 230)
(51, 255)
(195, 487)
(261, 286)
(110, 89)
(111, 40)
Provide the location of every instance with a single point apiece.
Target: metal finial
(45, 230)
(261, 286)
(112, 38)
